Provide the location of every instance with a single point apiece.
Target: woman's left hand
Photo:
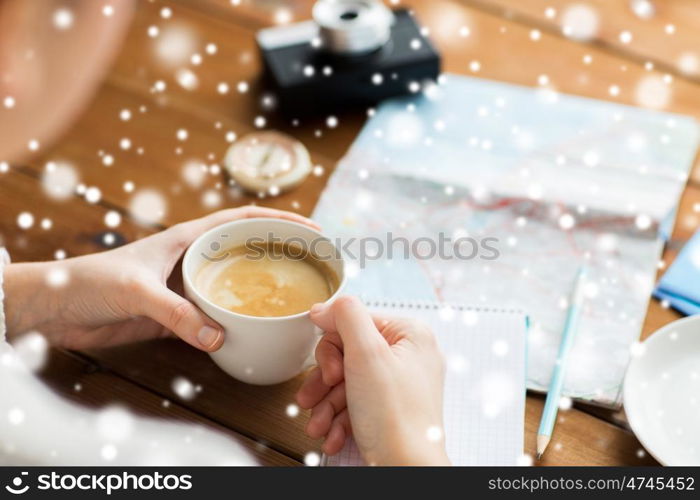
(123, 295)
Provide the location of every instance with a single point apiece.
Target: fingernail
(208, 337)
(318, 308)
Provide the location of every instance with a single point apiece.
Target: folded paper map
(554, 180)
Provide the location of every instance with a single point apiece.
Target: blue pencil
(551, 405)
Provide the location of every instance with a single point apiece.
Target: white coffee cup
(260, 350)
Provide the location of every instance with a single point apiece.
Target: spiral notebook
(484, 400)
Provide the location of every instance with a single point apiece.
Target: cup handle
(311, 359)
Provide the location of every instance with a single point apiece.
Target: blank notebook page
(484, 400)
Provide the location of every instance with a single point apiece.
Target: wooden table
(513, 40)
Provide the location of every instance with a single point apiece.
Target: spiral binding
(435, 306)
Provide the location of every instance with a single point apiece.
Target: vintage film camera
(353, 54)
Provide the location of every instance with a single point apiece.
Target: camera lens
(353, 27)
(349, 15)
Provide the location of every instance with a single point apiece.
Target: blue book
(680, 285)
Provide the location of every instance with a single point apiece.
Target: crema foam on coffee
(266, 280)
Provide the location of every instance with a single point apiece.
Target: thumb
(349, 317)
(183, 318)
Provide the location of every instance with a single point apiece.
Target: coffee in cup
(266, 279)
(268, 333)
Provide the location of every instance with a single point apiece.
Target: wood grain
(667, 35)
(495, 43)
(580, 438)
(77, 227)
(500, 40)
(258, 412)
(85, 383)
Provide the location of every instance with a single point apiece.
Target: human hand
(123, 295)
(380, 379)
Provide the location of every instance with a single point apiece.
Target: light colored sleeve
(39, 427)
(4, 260)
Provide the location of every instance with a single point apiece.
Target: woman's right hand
(380, 380)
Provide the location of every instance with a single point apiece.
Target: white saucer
(662, 393)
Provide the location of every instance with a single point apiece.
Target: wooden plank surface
(77, 227)
(580, 438)
(664, 32)
(500, 40)
(84, 383)
(258, 412)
